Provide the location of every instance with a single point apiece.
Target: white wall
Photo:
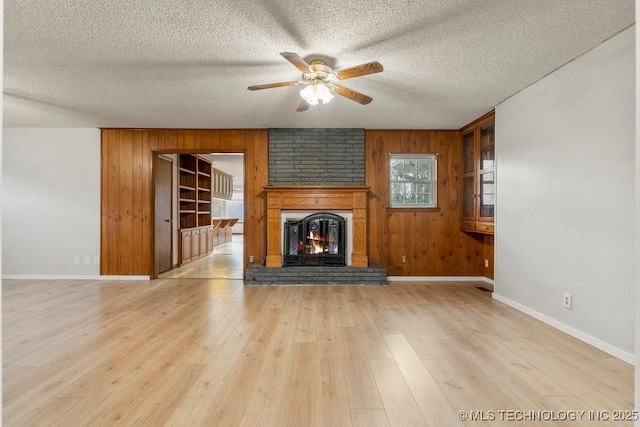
(637, 254)
(565, 197)
(50, 202)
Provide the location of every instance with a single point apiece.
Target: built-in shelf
(194, 207)
(478, 175)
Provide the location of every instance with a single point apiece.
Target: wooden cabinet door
(203, 242)
(195, 244)
(185, 246)
(478, 175)
(469, 176)
(209, 239)
(487, 172)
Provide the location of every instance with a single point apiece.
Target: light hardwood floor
(224, 263)
(189, 352)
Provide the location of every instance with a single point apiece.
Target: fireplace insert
(318, 239)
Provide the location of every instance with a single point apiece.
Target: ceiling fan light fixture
(324, 94)
(309, 94)
(320, 79)
(315, 93)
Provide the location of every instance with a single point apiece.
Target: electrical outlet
(96, 260)
(251, 258)
(486, 263)
(87, 260)
(76, 260)
(403, 259)
(566, 301)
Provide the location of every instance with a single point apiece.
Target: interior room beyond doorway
(208, 216)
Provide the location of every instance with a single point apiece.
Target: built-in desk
(222, 230)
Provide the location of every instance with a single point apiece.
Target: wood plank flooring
(190, 352)
(225, 262)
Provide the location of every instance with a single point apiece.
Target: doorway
(225, 261)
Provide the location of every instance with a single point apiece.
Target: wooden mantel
(316, 198)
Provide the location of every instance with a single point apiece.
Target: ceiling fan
(320, 81)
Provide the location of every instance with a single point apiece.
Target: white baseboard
(606, 347)
(69, 277)
(439, 279)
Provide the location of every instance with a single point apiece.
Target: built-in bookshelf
(187, 192)
(194, 207)
(203, 178)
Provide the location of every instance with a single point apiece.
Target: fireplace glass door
(318, 239)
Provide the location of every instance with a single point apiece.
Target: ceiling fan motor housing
(320, 72)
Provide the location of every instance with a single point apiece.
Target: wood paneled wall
(127, 184)
(431, 240)
(488, 255)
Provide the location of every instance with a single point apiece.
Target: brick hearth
(260, 275)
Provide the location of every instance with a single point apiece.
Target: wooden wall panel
(138, 214)
(256, 154)
(431, 240)
(488, 255)
(125, 198)
(127, 183)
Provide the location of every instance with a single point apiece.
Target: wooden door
(163, 168)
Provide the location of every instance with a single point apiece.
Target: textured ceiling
(187, 64)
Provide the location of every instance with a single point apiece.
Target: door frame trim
(160, 152)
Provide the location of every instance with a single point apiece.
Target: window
(412, 180)
(235, 209)
(217, 208)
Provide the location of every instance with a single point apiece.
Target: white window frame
(432, 184)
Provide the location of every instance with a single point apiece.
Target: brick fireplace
(351, 199)
(316, 170)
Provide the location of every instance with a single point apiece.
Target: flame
(316, 243)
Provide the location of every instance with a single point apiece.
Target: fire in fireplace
(318, 239)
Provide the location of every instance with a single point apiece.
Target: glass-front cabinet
(468, 175)
(478, 175)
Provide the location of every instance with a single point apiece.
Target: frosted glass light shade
(314, 93)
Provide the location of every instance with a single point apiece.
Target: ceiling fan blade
(359, 70)
(297, 61)
(270, 85)
(304, 106)
(352, 94)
